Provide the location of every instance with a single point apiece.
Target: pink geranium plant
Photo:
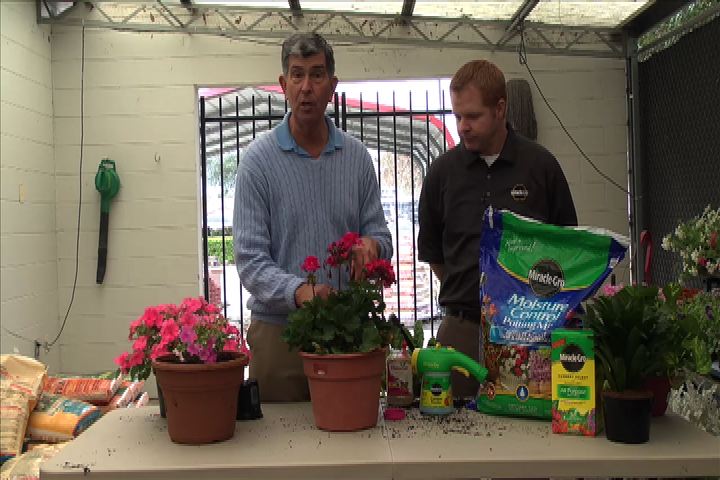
(193, 332)
(352, 317)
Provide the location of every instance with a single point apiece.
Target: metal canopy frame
(345, 28)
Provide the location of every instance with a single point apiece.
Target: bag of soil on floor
(532, 278)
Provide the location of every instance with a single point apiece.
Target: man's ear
(501, 108)
(333, 82)
(283, 83)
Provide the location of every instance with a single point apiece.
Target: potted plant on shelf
(698, 317)
(198, 360)
(632, 333)
(697, 243)
(342, 340)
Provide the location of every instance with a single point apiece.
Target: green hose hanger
(107, 183)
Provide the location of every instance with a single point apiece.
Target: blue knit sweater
(289, 205)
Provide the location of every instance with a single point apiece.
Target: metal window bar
(243, 125)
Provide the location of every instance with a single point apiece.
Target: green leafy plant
(351, 318)
(699, 319)
(632, 333)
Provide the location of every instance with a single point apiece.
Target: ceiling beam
(269, 26)
(517, 20)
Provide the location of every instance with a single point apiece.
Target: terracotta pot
(627, 416)
(200, 399)
(345, 389)
(660, 388)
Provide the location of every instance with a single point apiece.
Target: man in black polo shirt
(492, 165)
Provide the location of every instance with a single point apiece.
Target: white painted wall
(140, 110)
(28, 246)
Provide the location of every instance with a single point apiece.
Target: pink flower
(137, 358)
(311, 264)
(188, 319)
(174, 330)
(134, 325)
(610, 290)
(168, 309)
(188, 335)
(158, 351)
(194, 349)
(140, 344)
(192, 304)
(121, 361)
(152, 317)
(169, 331)
(702, 261)
(231, 345)
(208, 355)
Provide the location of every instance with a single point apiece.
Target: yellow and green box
(574, 397)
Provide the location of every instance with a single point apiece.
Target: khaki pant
(279, 372)
(464, 336)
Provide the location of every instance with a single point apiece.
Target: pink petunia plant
(193, 332)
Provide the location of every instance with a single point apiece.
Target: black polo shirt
(526, 179)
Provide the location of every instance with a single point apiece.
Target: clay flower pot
(201, 399)
(345, 389)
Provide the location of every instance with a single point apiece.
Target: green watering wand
(107, 183)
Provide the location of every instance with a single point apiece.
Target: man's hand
(366, 252)
(305, 292)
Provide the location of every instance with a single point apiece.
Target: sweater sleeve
(258, 272)
(372, 217)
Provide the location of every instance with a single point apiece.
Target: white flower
(666, 242)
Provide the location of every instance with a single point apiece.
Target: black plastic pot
(627, 416)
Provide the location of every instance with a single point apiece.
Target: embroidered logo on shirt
(519, 192)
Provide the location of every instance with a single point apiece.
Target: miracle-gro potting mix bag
(532, 277)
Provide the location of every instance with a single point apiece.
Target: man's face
(478, 125)
(308, 87)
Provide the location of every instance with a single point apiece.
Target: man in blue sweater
(299, 187)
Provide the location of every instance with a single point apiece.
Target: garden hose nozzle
(107, 183)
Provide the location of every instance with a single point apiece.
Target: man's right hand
(304, 292)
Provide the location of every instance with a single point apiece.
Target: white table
(285, 444)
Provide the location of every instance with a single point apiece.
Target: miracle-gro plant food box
(574, 393)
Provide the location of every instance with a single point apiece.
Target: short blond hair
(483, 75)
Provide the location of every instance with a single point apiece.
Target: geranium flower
(382, 271)
(360, 299)
(311, 264)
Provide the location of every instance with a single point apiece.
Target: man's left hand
(366, 252)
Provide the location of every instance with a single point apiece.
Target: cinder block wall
(29, 299)
(141, 111)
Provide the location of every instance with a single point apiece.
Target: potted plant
(632, 333)
(699, 320)
(697, 243)
(342, 339)
(198, 360)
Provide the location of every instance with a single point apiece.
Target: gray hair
(306, 45)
